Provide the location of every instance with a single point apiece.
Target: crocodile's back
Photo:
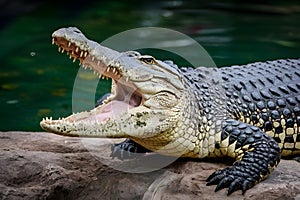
(267, 95)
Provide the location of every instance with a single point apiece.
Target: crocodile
(248, 112)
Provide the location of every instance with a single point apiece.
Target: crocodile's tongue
(110, 111)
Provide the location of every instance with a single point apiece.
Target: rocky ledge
(37, 165)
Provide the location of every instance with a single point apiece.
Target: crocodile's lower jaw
(110, 109)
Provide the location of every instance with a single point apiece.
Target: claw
(215, 178)
(225, 182)
(245, 186)
(235, 185)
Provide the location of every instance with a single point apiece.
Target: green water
(36, 81)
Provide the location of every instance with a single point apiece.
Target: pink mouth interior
(111, 111)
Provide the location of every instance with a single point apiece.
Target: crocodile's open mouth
(124, 94)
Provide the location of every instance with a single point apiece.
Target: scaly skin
(249, 112)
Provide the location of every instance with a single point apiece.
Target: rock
(36, 165)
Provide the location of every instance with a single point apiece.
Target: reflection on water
(35, 81)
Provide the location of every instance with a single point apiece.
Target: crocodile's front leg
(127, 149)
(256, 155)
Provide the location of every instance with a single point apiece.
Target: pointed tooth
(108, 68)
(63, 50)
(93, 58)
(59, 49)
(76, 50)
(53, 42)
(114, 70)
(74, 59)
(127, 79)
(85, 54)
(81, 53)
(69, 44)
(100, 76)
(98, 63)
(70, 56)
(50, 118)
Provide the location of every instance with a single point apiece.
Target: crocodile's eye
(148, 60)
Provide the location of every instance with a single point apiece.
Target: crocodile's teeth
(114, 70)
(53, 42)
(93, 58)
(81, 53)
(85, 54)
(98, 63)
(63, 50)
(69, 44)
(74, 59)
(108, 68)
(127, 79)
(76, 50)
(84, 66)
(59, 49)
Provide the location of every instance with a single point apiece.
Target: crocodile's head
(146, 94)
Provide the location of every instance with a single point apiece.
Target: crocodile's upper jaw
(146, 93)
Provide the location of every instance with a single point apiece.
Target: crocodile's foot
(256, 158)
(127, 150)
(234, 177)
